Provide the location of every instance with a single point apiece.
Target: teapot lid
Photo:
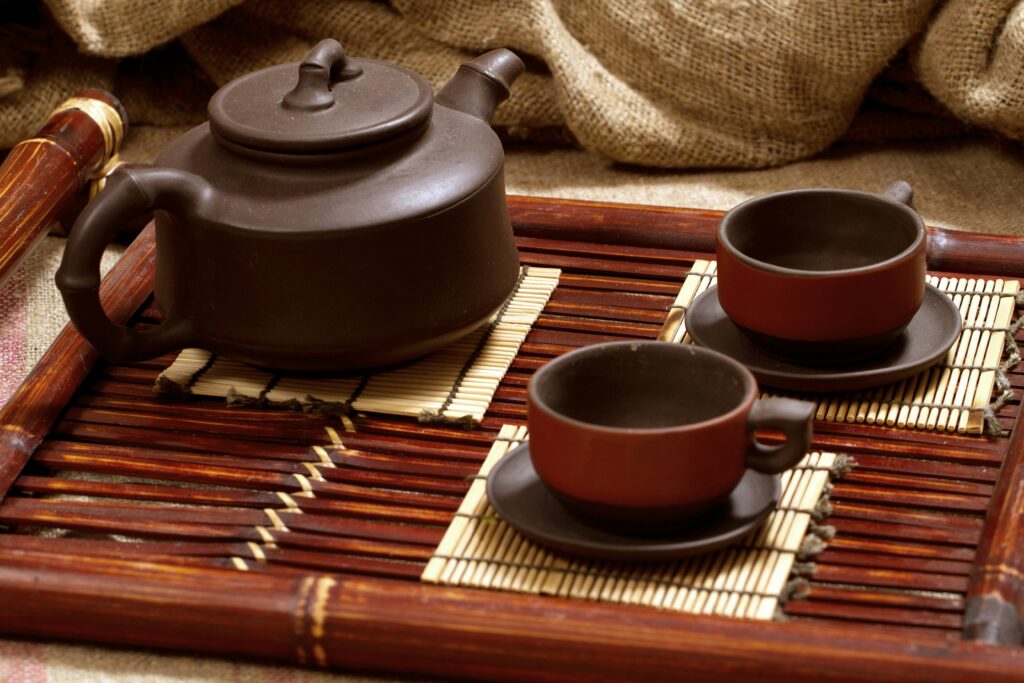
(334, 104)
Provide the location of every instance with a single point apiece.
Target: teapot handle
(130, 192)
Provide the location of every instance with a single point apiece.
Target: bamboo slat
(42, 176)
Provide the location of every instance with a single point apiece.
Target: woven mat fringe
(165, 386)
(237, 400)
(320, 408)
(1003, 385)
(433, 417)
(818, 535)
(310, 405)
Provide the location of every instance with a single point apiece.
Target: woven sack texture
(700, 83)
(972, 59)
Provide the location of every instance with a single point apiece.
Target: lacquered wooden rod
(402, 626)
(661, 227)
(42, 174)
(27, 417)
(995, 594)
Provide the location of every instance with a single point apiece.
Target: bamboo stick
(43, 175)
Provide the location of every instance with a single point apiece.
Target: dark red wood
(914, 634)
(867, 463)
(118, 549)
(917, 498)
(406, 627)
(910, 548)
(890, 513)
(133, 491)
(904, 532)
(694, 231)
(919, 483)
(873, 576)
(995, 609)
(944, 603)
(40, 176)
(831, 556)
(876, 614)
(27, 416)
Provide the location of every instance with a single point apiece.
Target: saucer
(525, 502)
(927, 338)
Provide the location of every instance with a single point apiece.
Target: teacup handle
(793, 419)
(130, 192)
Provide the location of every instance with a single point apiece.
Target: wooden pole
(995, 594)
(695, 230)
(43, 174)
(408, 627)
(28, 415)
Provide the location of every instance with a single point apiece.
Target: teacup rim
(750, 393)
(906, 254)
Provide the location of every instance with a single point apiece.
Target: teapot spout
(478, 87)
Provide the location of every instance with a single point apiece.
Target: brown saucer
(930, 334)
(522, 500)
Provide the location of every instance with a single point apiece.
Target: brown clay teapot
(332, 215)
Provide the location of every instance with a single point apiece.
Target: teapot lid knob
(324, 66)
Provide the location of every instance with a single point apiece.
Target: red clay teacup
(822, 275)
(652, 432)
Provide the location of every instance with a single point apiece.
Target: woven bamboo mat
(748, 580)
(959, 394)
(453, 385)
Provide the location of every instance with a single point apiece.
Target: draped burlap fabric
(695, 83)
(972, 60)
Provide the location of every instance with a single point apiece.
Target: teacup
(822, 275)
(652, 432)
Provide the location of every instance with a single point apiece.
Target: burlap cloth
(705, 83)
(699, 84)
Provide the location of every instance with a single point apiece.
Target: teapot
(331, 215)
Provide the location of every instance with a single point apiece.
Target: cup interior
(821, 230)
(641, 385)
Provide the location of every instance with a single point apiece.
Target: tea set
(647, 450)
(334, 215)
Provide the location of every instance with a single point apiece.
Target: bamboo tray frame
(365, 623)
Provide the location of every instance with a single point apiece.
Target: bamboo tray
(922, 580)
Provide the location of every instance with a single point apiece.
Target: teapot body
(300, 268)
(388, 243)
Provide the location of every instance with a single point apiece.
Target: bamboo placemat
(748, 579)
(453, 385)
(955, 394)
